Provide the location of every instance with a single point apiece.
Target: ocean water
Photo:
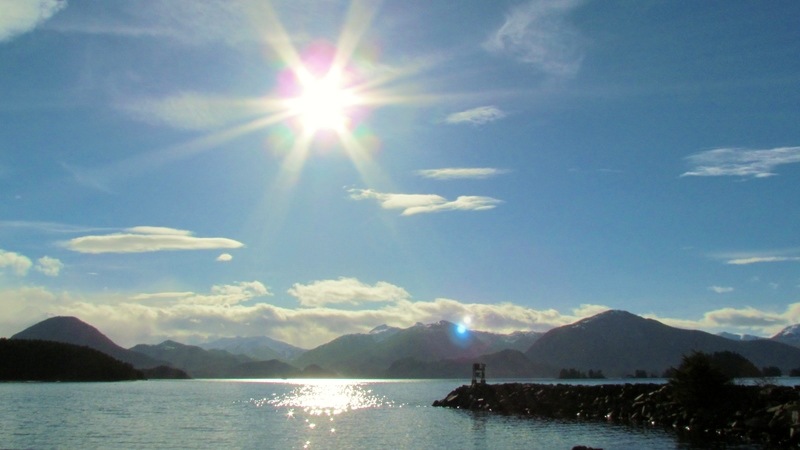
(285, 414)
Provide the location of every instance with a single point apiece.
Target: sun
(323, 103)
(325, 93)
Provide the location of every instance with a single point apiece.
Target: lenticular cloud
(147, 239)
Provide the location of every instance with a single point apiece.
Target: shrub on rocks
(697, 383)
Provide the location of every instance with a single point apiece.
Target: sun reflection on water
(312, 408)
(326, 398)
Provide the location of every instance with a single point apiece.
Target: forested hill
(36, 360)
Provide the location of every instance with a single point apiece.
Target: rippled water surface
(282, 414)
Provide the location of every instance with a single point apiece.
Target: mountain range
(739, 337)
(789, 335)
(261, 348)
(373, 354)
(197, 362)
(71, 330)
(617, 343)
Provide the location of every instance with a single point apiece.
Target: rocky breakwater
(761, 414)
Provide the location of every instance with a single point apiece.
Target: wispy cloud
(721, 289)
(762, 259)
(222, 21)
(602, 170)
(476, 116)
(412, 204)
(454, 173)
(147, 239)
(538, 33)
(230, 294)
(740, 162)
(225, 257)
(347, 291)
(49, 227)
(162, 295)
(190, 110)
(220, 295)
(19, 17)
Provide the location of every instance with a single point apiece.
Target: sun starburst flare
(323, 104)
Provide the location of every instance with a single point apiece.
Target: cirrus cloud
(147, 239)
(538, 33)
(222, 294)
(740, 162)
(162, 295)
(190, 111)
(476, 116)
(761, 259)
(412, 204)
(721, 289)
(453, 173)
(346, 290)
(222, 21)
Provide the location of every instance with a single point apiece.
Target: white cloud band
(412, 204)
(191, 317)
(454, 173)
(147, 239)
(762, 259)
(346, 291)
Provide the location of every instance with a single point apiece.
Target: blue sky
(307, 169)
